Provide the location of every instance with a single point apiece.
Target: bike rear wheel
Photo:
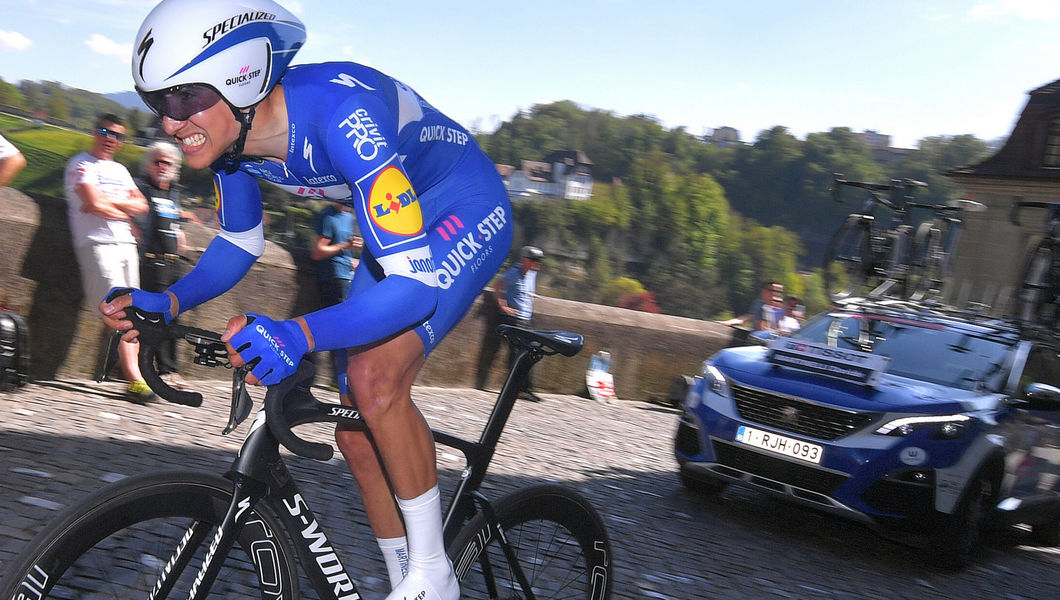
(559, 541)
(927, 274)
(1038, 291)
(119, 543)
(849, 268)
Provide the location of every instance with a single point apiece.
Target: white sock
(430, 574)
(396, 557)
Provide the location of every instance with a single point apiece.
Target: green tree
(58, 107)
(11, 96)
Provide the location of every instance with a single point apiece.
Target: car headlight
(714, 380)
(944, 427)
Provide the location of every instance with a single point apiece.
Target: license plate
(779, 444)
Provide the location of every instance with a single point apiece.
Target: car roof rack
(974, 313)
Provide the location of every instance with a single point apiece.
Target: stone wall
(39, 279)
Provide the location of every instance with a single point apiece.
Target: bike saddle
(562, 342)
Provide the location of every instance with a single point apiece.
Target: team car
(929, 424)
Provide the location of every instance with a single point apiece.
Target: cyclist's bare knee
(381, 377)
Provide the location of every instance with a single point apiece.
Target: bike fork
(236, 516)
(509, 554)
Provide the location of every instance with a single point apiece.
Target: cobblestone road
(61, 439)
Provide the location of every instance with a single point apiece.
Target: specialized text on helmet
(210, 35)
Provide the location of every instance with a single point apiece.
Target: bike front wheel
(849, 268)
(558, 539)
(927, 274)
(1038, 292)
(123, 542)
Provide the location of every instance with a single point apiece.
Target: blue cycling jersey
(421, 189)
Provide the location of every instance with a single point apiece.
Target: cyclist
(422, 191)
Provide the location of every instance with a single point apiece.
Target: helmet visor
(181, 101)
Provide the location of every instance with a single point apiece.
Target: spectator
(11, 161)
(101, 199)
(791, 319)
(514, 293)
(162, 241)
(765, 310)
(333, 253)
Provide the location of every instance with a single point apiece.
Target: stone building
(992, 249)
(563, 174)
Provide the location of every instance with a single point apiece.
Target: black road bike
(867, 258)
(1038, 302)
(197, 535)
(935, 245)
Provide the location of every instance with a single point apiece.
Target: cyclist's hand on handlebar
(118, 299)
(273, 349)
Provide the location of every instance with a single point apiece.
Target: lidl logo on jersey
(391, 205)
(394, 206)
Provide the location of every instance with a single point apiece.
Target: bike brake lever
(110, 358)
(242, 403)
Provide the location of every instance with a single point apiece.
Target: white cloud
(1023, 9)
(107, 47)
(13, 40)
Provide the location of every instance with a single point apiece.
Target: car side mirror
(1040, 396)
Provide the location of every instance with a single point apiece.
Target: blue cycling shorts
(469, 242)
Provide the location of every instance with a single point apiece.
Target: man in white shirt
(101, 199)
(11, 161)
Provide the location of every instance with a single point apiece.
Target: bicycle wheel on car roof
(927, 272)
(849, 268)
(557, 538)
(1037, 300)
(145, 537)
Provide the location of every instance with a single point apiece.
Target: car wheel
(703, 486)
(1046, 534)
(954, 543)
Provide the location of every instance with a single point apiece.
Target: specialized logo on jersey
(350, 81)
(393, 205)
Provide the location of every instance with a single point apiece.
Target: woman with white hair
(161, 238)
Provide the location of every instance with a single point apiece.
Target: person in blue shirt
(514, 293)
(432, 210)
(333, 257)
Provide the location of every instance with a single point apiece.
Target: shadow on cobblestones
(62, 440)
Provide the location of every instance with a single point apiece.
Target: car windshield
(918, 350)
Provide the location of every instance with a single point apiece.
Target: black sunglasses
(182, 101)
(103, 131)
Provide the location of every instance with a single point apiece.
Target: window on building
(1051, 156)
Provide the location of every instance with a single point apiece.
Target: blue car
(930, 425)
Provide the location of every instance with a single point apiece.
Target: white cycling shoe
(417, 586)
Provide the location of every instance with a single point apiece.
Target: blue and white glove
(272, 348)
(152, 302)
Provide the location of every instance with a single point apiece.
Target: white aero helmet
(239, 48)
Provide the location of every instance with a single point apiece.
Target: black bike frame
(260, 473)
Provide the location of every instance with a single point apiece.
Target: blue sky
(907, 68)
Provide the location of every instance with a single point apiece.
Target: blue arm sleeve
(221, 266)
(390, 306)
(231, 254)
